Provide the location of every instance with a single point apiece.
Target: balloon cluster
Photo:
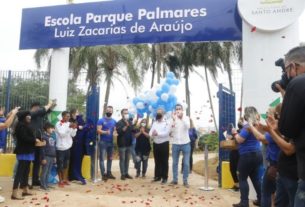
(161, 96)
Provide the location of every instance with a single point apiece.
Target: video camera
(283, 82)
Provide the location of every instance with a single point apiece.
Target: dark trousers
(268, 188)
(248, 166)
(76, 158)
(234, 157)
(36, 167)
(286, 189)
(161, 154)
(22, 175)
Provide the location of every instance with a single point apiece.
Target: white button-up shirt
(180, 130)
(163, 129)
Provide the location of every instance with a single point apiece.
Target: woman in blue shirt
(250, 158)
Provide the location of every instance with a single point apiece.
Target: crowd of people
(283, 136)
(64, 144)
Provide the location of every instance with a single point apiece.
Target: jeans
(45, 172)
(106, 147)
(268, 188)
(141, 158)
(36, 167)
(133, 153)
(124, 154)
(286, 189)
(186, 151)
(248, 166)
(299, 200)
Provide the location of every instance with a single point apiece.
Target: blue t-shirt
(107, 124)
(251, 144)
(272, 149)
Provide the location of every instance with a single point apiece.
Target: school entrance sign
(130, 22)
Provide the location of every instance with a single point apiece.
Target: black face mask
(108, 114)
(159, 116)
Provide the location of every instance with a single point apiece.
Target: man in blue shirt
(105, 128)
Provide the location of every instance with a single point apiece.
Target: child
(48, 155)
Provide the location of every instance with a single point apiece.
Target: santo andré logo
(271, 1)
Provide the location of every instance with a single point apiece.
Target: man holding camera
(292, 117)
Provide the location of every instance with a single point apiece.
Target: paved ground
(136, 193)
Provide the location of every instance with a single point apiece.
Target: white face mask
(126, 116)
(143, 124)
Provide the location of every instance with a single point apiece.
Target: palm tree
(134, 57)
(209, 56)
(231, 52)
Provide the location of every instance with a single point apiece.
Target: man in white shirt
(181, 143)
(64, 132)
(159, 132)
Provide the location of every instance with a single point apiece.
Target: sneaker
(138, 175)
(143, 175)
(234, 189)
(110, 176)
(36, 183)
(239, 205)
(83, 181)
(123, 177)
(156, 180)
(164, 181)
(42, 188)
(2, 199)
(173, 183)
(185, 184)
(104, 178)
(256, 203)
(128, 176)
(50, 187)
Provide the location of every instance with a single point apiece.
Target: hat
(22, 114)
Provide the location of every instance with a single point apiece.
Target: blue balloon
(159, 92)
(165, 88)
(169, 81)
(135, 100)
(170, 75)
(175, 81)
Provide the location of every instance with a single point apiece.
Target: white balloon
(142, 96)
(140, 105)
(164, 96)
(172, 89)
(132, 110)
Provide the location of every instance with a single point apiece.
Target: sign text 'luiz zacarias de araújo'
(129, 22)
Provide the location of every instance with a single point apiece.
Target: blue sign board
(129, 22)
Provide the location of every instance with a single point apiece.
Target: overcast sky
(11, 58)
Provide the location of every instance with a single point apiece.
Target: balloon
(165, 88)
(172, 89)
(164, 97)
(159, 92)
(170, 75)
(176, 82)
(140, 105)
(135, 100)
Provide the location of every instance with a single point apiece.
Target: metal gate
(227, 116)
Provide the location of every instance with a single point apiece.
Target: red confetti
(253, 29)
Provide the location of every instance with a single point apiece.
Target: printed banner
(130, 22)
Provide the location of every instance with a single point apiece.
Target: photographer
(291, 123)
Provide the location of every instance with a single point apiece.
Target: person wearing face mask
(292, 118)
(159, 132)
(105, 128)
(142, 148)
(25, 150)
(124, 130)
